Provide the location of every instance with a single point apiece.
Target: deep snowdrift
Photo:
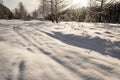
(35, 50)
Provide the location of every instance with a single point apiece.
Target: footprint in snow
(107, 32)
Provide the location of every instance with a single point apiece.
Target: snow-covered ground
(38, 50)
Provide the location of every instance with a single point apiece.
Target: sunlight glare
(80, 2)
(76, 4)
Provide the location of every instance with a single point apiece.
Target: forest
(107, 11)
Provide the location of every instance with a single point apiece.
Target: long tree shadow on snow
(96, 44)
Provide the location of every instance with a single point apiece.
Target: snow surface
(39, 50)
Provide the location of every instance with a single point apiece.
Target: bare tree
(54, 8)
(104, 2)
(57, 5)
(100, 3)
(44, 7)
(97, 9)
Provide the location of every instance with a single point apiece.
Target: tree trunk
(52, 12)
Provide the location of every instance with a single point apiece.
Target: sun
(80, 2)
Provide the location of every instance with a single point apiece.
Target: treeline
(56, 10)
(18, 13)
(106, 11)
(110, 13)
(5, 13)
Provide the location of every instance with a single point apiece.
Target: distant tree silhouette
(20, 12)
(35, 14)
(16, 13)
(5, 13)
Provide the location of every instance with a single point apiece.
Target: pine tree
(22, 11)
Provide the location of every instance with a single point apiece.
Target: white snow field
(41, 50)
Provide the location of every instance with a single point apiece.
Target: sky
(30, 5)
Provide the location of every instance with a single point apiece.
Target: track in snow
(35, 52)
